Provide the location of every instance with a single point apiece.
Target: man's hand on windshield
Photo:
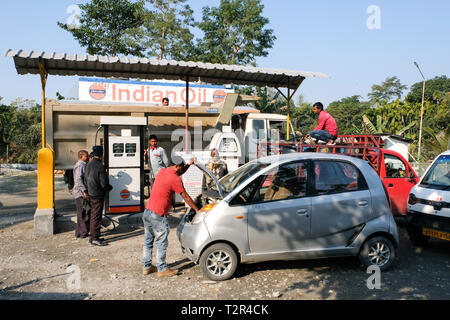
(192, 161)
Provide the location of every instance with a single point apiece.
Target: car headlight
(201, 215)
(412, 199)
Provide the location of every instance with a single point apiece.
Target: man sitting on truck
(327, 129)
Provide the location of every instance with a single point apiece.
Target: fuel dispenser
(124, 144)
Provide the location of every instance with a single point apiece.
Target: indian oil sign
(145, 92)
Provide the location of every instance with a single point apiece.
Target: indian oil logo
(125, 194)
(97, 91)
(219, 95)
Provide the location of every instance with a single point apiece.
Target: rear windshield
(439, 174)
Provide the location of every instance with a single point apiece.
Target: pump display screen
(118, 149)
(124, 152)
(130, 149)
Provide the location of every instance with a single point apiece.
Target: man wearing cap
(97, 185)
(156, 225)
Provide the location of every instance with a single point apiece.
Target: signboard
(145, 92)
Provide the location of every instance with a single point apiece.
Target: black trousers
(82, 229)
(96, 217)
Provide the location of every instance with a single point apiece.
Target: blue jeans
(322, 135)
(156, 229)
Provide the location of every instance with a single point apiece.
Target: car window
(285, 182)
(336, 176)
(395, 168)
(439, 173)
(247, 194)
(239, 176)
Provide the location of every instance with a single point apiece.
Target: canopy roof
(63, 64)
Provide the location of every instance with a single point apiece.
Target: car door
(280, 215)
(341, 203)
(399, 180)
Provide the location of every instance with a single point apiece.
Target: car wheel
(417, 238)
(219, 262)
(377, 251)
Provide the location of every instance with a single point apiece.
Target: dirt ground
(61, 267)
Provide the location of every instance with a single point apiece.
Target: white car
(429, 203)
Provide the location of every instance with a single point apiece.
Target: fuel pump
(124, 144)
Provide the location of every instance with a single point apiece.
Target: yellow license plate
(436, 234)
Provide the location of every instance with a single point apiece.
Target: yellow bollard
(46, 181)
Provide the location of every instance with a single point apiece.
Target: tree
(303, 117)
(347, 112)
(166, 29)
(234, 33)
(109, 27)
(20, 128)
(437, 143)
(434, 88)
(391, 88)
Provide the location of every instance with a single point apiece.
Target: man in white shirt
(157, 157)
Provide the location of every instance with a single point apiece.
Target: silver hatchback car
(289, 207)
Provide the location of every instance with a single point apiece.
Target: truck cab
(398, 177)
(255, 128)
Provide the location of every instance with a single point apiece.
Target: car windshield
(439, 173)
(237, 177)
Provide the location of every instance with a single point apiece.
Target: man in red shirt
(327, 129)
(156, 226)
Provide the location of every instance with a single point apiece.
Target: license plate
(436, 234)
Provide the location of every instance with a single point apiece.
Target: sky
(357, 43)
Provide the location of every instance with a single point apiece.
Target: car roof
(306, 156)
(445, 153)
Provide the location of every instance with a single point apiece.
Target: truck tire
(219, 262)
(377, 251)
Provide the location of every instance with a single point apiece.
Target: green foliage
(109, 27)
(234, 33)
(348, 111)
(165, 31)
(436, 143)
(303, 118)
(434, 89)
(20, 128)
(391, 88)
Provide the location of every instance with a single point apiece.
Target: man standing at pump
(157, 158)
(97, 183)
(80, 194)
(156, 226)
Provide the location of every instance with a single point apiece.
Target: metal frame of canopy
(63, 64)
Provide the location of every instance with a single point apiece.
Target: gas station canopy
(63, 64)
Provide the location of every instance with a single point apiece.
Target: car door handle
(390, 185)
(303, 212)
(363, 203)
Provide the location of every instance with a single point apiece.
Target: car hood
(213, 177)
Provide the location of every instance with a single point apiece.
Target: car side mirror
(413, 180)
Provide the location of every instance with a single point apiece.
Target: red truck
(394, 170)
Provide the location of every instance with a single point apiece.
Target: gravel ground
(61, 267)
